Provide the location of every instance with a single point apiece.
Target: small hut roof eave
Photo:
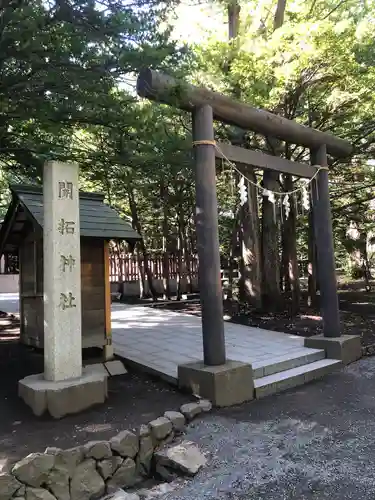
(97, 220)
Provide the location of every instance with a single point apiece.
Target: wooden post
(108, 348)
(325, 249)
(211, 295)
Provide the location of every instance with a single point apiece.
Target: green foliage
(67, 92)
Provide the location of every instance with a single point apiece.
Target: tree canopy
(67, 91)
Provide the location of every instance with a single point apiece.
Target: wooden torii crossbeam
(166, 89)
(206, 106)
(266, 162)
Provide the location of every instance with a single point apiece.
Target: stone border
(89, 471)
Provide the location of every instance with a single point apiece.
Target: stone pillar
(62, 273)
(64, 387)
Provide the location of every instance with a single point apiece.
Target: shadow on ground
(133, 400)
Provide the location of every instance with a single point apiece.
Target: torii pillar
(222, 381)
(347, 348)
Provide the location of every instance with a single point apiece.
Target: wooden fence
(125, 268)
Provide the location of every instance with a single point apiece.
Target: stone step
(281, 363)
(287, 379)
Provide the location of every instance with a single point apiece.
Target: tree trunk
(290, 249)
(312, 260)
(137, 226)
(233, 19)
(250, 285)
(190, 245)
(181, 265)
(117, 252)
(165, 233)
(141, 275)
(233, 244)
(271, 294)
(278, 19)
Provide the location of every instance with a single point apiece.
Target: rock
(38, 494)
(165, 474)
(67, 460)
(109, 466)
(205, 405)
(58, 484)
(86, 482)
(185, 457)
(21, 492)
(164, 442)
(124, 477)
(121, 495)
(191, 410)
(177, 419)
(160, 428)
(33, 470)
(125, 444)
(144, 431)
(98, 450)
(144, 457)
(8, 486)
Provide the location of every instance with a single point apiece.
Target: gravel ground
(314, 442)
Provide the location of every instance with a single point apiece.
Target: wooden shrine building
(22, 231)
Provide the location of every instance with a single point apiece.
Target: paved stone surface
(161, 340)
(316, 442)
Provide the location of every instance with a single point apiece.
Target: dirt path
(133, 400)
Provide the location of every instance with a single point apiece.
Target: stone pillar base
(65, 397)
(224, 385)
(347, 348)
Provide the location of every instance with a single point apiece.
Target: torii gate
(207, 106)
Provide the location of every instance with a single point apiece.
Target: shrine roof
(97, 219)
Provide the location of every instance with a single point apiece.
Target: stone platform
(159, 341)
(65, 397)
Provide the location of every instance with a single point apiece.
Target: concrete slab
(346, 348)
(98, 368)
(115, 367)
(223, 385)
(63, 397)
